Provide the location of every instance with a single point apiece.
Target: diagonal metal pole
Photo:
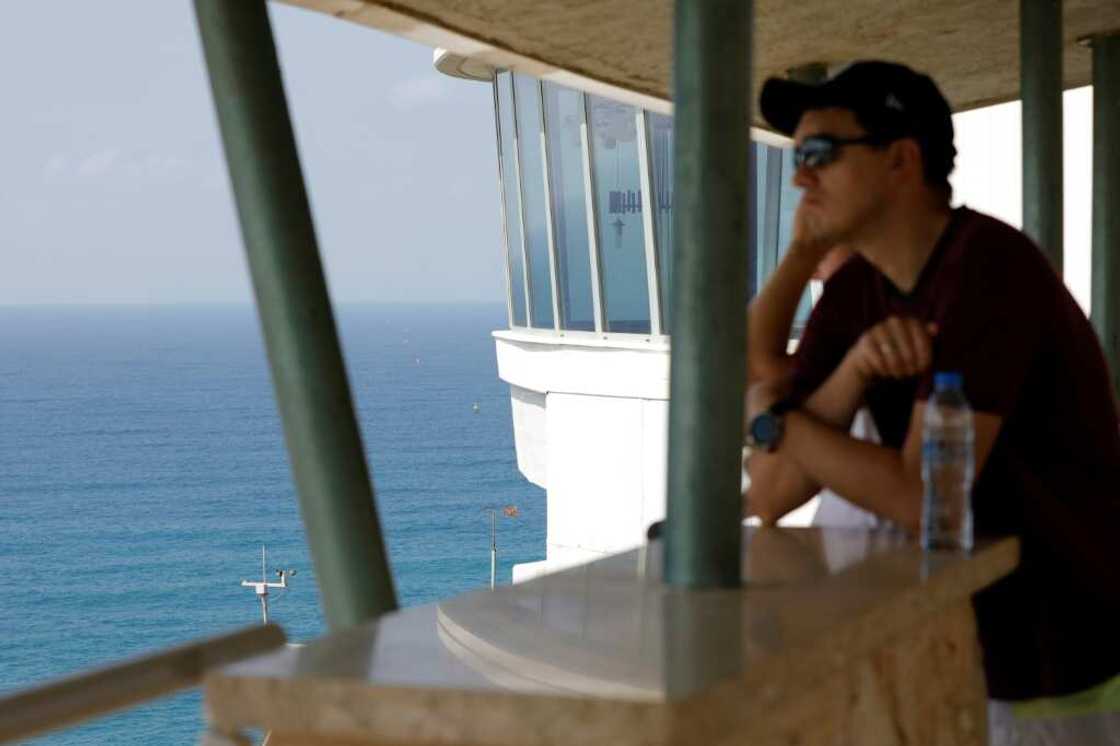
(712, 106)
(1040, 71)
(1106, 199)
(320, 428)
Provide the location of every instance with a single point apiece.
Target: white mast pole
(493, 547)
(264, 585)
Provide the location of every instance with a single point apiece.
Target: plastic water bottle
(947, 466)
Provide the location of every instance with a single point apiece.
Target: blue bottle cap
(947, 380)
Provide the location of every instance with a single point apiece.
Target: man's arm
(769, 367)
(895, 348)
(771, 313)
(779, 484)
(883, 480)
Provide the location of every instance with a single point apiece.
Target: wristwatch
(767, 427)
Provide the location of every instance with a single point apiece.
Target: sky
(113, 187)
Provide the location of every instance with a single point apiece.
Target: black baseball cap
(890, 100)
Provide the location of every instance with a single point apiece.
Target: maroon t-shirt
(1028, 354)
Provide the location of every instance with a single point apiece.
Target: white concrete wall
(529, 434)
(590, 423)
(606, 457)
(989, 175)
(627, 366)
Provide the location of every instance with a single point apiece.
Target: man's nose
(804, 177)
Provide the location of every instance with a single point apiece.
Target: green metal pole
(324, 444)
(812, 73)
(1106, 199)
(712, 106)
(1040, 71)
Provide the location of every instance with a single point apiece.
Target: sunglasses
(818, 151)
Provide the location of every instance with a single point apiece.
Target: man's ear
(906, 158)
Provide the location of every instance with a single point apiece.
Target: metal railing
(73, 699)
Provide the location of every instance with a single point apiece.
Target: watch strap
(786, 404)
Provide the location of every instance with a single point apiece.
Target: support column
(712, 108)
(1040, 70)
(312, 391)
(813, 73)
(1106, 199)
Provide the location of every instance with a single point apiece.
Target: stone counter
(837, 636)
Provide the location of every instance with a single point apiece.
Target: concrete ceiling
(622, 48)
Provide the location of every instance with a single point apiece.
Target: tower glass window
(511, 200)
(527, 100)
(563, 112)
(789, 197)
(618, 206)
(660, 129)
(573, 198)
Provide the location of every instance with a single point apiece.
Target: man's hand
(895, 348)
(810, 237)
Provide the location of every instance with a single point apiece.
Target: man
(930, 289)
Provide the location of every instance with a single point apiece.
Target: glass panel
(760, 157)
(511, 203)
(661, 159)
(528, 102)
(790, 197)
(618, 204)
(768, 182)
(661, 181)
(563, 110)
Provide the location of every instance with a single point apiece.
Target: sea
(143, 467)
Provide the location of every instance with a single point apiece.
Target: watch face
(765, 429)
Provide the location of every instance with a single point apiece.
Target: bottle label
(941, 448)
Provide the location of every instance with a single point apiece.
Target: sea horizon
(142, 466)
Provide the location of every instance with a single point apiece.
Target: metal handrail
(83, 696)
